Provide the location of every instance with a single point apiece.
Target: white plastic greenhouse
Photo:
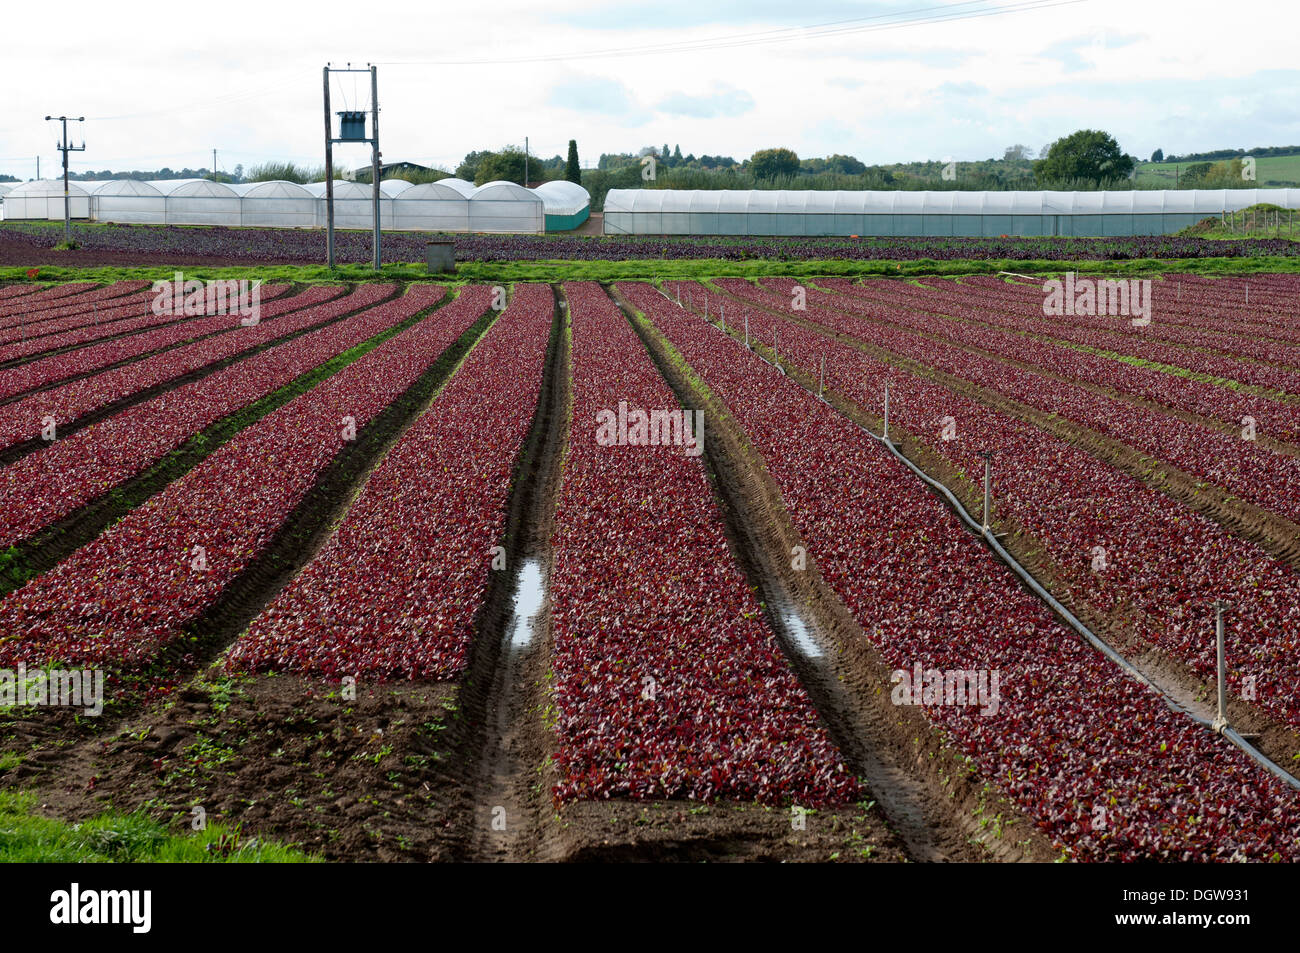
(448, 205)
(199, 202)
(354, 205)
(129, 201)
(276, 204)
(466, 189)
(433, 206)
(567, 204)
(898, 213)
(43, 199)
(505, 207)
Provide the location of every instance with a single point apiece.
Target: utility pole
(525, 162)
(374, 131)
(329, 176)
(214, 165)
(353, 131)
(65, 149)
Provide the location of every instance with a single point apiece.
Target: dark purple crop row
(256, 245)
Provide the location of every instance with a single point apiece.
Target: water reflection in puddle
(529, 596)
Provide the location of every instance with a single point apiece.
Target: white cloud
(246, 78)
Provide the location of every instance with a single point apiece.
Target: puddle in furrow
(800, 635)
(529, 595)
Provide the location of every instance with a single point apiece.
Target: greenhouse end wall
(564, 223)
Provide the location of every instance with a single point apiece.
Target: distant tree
(239, 173)
(468, 169)
(663, 156)
(1018, 152)
(770, 163)
(1158, 155)
(506, 165)
(677, 155)
(1088, 155)
(610, 161)
(572, 170)
(845, 165)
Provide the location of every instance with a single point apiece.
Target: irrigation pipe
(988, 536)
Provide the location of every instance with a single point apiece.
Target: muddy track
(1275, 534)
(1278, 741)
(927, 794)
(502, 740)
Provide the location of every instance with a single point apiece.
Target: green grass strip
(113, 837)
(644, 269)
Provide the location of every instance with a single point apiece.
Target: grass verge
(642, 269)
(113, 837)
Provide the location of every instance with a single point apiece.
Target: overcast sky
(162, 85)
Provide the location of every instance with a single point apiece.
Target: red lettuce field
(577, 571)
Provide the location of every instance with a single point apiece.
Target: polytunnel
(43, 199)
(432, 206)
(904, 213)
(566, 204)
(199, 202)
(391, 188)
(128, 201)
(276, 204)
(505, 207)
(354, 205)
(466, 189)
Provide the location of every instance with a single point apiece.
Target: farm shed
(947, 213)
(566, 204)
